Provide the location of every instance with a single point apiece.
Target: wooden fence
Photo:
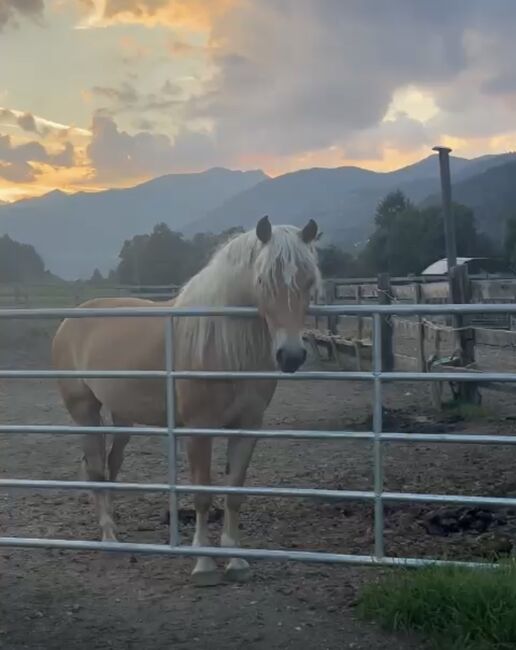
(71, 294)
(467, 344)
(480, 342)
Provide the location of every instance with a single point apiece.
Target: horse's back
(94, 342)
(113, 343)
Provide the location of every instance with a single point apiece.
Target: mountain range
(80, 232)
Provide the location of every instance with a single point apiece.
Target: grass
(454, 608)
(465, 411)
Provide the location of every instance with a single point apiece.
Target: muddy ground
(53, 600)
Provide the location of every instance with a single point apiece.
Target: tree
(510, 240)
(334, 262)
(96, 277)
(408, 239)
(128, 270)
(165, 257)
(389, 207)
(19, 262)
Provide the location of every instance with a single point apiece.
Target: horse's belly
(219, 404)
(137, 402)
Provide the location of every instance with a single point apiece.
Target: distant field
(69, 294)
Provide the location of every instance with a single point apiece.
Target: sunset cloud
(115, 154)
(27, 122)
(181, 85)
(18, 162)
(186, 14)
(12, 10)
(15, 117)
(126, 94)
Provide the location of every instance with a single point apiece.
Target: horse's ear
(309, 232)
(264, 230)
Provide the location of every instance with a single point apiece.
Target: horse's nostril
(290, 360)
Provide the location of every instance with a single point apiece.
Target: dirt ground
(53, 600)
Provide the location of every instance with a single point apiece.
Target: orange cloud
(182, 48)
(186, 14)
(132, 49)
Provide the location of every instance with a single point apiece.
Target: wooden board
(493, 290)
(434, 292)
(495, 338)
(405, 292)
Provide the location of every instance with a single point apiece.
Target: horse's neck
(226, 342)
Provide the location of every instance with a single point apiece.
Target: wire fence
(171, 432)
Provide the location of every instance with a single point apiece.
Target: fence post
(418, 294)
(461, 294)
(360, 320)
(384, 298)
(330, 300)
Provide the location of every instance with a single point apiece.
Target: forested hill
(492, 197)
(20, 262)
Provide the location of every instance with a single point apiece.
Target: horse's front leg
(199, 456)
(240, 451)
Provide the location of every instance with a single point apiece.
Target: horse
(272, 268)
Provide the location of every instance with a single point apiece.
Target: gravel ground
(87, 601)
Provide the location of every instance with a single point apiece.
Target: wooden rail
(431, 342)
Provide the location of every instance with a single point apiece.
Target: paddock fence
(475, 342)
(71, 294)
(376, 437)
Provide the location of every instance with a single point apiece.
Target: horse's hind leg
(94, 466)
(84, 408)
(116, 455)
(240, 451)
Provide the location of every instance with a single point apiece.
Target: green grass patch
(455, 608)
(465, 411)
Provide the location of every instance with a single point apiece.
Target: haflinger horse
(272, 268)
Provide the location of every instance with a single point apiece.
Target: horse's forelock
(284, 258)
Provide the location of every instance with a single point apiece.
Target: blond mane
(229, 279)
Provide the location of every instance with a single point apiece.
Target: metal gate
(378, 496)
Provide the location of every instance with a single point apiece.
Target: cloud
(27, 122)
(170, 88)
(179, 48)
(327, 70)
(145, 125)
(6, 114)
(127, 99)
(188, 14)
(299, 76)
(11, 10)
(18, 163)
(395, 136)
(126, 94)
(20, 172)
(115, 154)
(288, 82)
(43, 125)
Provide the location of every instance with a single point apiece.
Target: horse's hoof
(206, 578)
(238, 570)
(205, 573)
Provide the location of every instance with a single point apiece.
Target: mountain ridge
(76, 233)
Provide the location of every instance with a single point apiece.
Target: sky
(110, 93)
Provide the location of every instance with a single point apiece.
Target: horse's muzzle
(290, 360)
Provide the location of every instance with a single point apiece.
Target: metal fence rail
(377, 497)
